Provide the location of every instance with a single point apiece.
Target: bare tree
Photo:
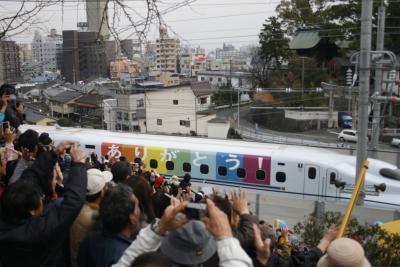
(25, 17)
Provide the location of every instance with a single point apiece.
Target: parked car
(348, 135)
(395, 142)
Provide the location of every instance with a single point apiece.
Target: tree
(25, 17)
(381, 248)
(338, 20)
(274, 44)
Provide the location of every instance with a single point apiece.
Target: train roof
(232, 146)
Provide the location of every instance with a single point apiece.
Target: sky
(204, 23)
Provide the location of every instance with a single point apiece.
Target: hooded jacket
(33, 242)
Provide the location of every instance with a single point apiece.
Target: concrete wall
(202, 124)
(275, 120)
(218, 130)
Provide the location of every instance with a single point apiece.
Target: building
(25, 53)
(10, 71)
(97, 17)
(126, 112)
(124, 69)
(131, 48)
(227, 51)
(61, 105)
(183, 109)
(167, 52)
(85, 57)
(240, 80)
(47, 51)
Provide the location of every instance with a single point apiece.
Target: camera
(196, 211)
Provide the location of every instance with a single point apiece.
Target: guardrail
(253, 135)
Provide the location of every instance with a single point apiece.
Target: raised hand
(263, 248)
(169, 220)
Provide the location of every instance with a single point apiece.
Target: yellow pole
(354, 197)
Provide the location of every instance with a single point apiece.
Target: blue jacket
(102, 250)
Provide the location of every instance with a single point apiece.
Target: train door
(330, 189)
(311, 181)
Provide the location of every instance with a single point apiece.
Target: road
(323, 137)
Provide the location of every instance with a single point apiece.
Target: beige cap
(97, 180)
(344, 252)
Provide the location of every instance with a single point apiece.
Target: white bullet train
(305, 172)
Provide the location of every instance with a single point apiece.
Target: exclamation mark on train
(260, 163)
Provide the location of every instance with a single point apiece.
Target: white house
(182, 109)
(126, 112)
(240, 80)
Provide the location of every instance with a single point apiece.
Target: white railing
(253, 135)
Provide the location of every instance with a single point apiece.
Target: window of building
(133, 116)
(332, 178)
(159, 121)
(126, 116)
(280, 177)
(202, 78)
(204, 169)
(222, 171)
(184, 123)
(260, 175)
(119, 115)
(169, 165)
(203, 100)
(187, 167)
(219, 79)
(175, 102)
(125, 128)
(153, 164)
(312, 173)
(210, 79)
(140, 103)
(241, 173)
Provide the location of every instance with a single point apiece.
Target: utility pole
(238, 109)
(230, 79)
(365, 64)
(302, 78)
(376, 121)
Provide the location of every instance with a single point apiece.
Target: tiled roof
(201, 88)
(65, 97)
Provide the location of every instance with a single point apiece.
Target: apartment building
(10, 70)
(47, 51)
(167, 52)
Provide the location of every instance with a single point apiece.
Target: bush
(381, 248)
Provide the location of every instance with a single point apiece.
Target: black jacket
(35, 241)
(13, 117)
(102, 250)
(300, 259)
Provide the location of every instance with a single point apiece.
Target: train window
(280, 177)
(90, 146)
(281, 164)
(153, 164)
(204, 169)
(332, 178)
(312, 173)
(222, 171)
(138, 160)
(241, 173)
(169, 165)
(260, 175)
(187, 167)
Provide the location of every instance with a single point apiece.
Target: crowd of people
(62, 207)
